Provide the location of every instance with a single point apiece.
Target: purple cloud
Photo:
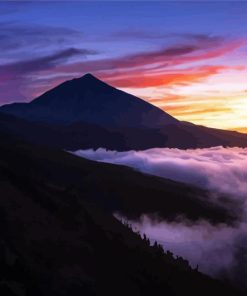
(15, 77)
(47, 67)
(17, 40)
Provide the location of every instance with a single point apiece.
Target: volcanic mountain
(88, 99)
(88, 113)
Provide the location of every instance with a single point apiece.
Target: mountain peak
(88, 80)
(88, 76)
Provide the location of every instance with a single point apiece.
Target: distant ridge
(88, 99)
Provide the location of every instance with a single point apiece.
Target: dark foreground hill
(59, 238)
(114, 188)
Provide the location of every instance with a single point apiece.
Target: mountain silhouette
(90, 100)
(87, 113)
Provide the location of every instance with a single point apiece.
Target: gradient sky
(188, 58)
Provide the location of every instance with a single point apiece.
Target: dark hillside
(56, 242)
(114, 188)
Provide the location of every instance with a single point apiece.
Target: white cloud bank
(219, 169)
(219, 250)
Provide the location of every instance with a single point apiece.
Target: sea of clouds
(219, 250)
(219, 169)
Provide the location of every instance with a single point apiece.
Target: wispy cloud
(138, 34)
(178, 77)
(158, 67)
(15, 77)
(43, 63)
(218, 250)
(18, 39)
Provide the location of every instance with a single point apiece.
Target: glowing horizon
(189, 59)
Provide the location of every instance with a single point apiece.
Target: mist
(218, 169)
(218, 250)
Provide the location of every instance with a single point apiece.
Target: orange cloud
(182, 77)
(184, 111)
(241, 129)
(149, 63)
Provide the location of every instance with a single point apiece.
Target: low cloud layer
(218, 169)
(219, 250)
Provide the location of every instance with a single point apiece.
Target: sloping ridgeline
(56, 240)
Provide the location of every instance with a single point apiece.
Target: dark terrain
(58, 236)
(58, 233)
(115, 188)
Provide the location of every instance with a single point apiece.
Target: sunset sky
(188, 58)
